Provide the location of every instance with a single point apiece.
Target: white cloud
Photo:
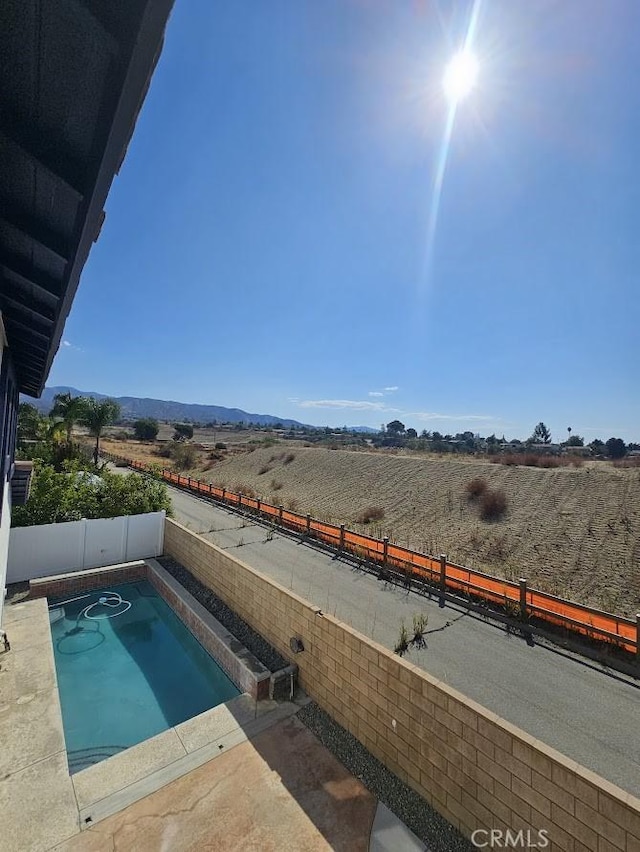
(432, 415)
(601, 430)
(67, 344)
(354, 405)
(384, 391)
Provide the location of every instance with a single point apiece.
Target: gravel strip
(258, 646)
(431, 828)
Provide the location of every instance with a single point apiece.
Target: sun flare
(460, 76)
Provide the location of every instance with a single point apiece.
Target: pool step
(82, 758)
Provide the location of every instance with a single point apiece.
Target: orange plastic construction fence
(586, 620)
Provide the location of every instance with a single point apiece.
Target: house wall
(8, 412)
(477, 770)
(5, 524)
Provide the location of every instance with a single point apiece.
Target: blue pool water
(127, 669)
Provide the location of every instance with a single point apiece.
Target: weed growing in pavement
(419, 628)
(402, 645)
(417, 640)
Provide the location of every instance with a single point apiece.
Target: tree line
(395, 433)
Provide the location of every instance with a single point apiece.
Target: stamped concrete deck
(239, 777)
(281, 791)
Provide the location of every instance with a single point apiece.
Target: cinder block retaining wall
(476, 769)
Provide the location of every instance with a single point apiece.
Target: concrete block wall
(477, 770)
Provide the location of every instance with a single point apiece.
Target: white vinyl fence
(48, 549)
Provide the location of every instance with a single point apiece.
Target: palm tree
(96, 415)
(70, 409)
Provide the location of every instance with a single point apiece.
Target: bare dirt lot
(574, 532)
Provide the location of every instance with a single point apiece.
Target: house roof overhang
(73, 76)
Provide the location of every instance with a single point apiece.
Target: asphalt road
(586, 712)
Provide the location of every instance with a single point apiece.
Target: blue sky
(267, 242)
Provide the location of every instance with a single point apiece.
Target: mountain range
(133, 407)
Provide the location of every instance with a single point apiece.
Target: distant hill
(134, 407)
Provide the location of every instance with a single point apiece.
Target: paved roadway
(586, 712)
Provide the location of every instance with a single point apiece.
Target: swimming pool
(127, 669)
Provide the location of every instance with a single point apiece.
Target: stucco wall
(5, 525)
(5, 516)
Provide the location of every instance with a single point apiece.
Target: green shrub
(146, 429)
(183, 431)
(57, 454)
(78, 493)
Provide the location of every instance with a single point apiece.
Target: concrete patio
(242, 776)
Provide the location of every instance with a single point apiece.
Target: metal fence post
(280, 511)
(443, 577)
(341, 536)
(308, 524)
(385, 549)
(523, 598)
(258, 505)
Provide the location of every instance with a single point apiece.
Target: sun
(460, 76)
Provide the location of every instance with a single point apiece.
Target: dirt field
(572, 532)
